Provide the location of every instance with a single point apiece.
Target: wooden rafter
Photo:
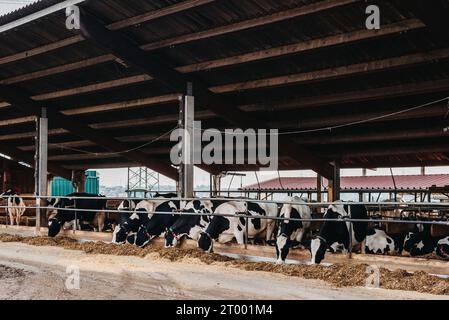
(21, 156)
(252, 23)
(337, 72)
(306, 122)
(276, 52)
(299, 78)
(154, 66)
(20, 99)
(157, 14)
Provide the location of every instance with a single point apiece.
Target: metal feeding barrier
(373, 207)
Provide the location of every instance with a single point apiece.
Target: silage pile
(338, 275)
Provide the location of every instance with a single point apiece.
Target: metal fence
(441, 219)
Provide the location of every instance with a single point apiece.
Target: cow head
(54, 227)
(285, 231)
(330, 233)
(188, 223)
(119, 235)
(318, 247)
(443, 248)
(205, 242)
(126, 205)
(410, 240)
(171, 239)
(142, 237)
(282, 248)
(131, 239)
(8, 193)
(52, 207)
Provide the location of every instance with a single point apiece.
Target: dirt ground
(29, 272)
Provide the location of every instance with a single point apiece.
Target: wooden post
(79, 180)
(319, 189)
(334, 184)
(350, 229)
(216, 185)
(330, 191)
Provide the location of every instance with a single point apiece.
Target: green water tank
(61, 187)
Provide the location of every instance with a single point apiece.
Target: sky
(11, 5)
(118, 177)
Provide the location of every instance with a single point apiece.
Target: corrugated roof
(26, 10)
(358, 183)
(284, 63)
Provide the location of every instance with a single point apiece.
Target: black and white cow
(16, 206)
(129, 224)
(292, 231)
(443, 248)
(128, 205)
(165, 195)
(379, 242)
(338, 231)
(225, 229)
(158, 222)
(58, 215)
(190, 226)
(420, 243)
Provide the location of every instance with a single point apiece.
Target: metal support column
(41, 164)
(187, 166)
(179, 183)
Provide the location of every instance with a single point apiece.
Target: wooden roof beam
(301, 11)
(433, 13)
(21, 100)
(296, 48)
(304, 46)
(157, 68)
(377, 116)
(359, 137)
(123, 105)
(304, 102)
(173, 9)
(160, 13)
(388, 92)
(337, 72)
(21, 156)
(411, 149)
(93, 87)
(299, 78)
(315, 101)
(86, 143)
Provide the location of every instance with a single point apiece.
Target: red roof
(358, 183)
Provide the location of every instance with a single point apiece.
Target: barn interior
(343, 96)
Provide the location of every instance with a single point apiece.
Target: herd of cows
(209, 221)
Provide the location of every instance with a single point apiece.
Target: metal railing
(376, 207)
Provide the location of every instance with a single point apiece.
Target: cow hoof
(280, 262)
